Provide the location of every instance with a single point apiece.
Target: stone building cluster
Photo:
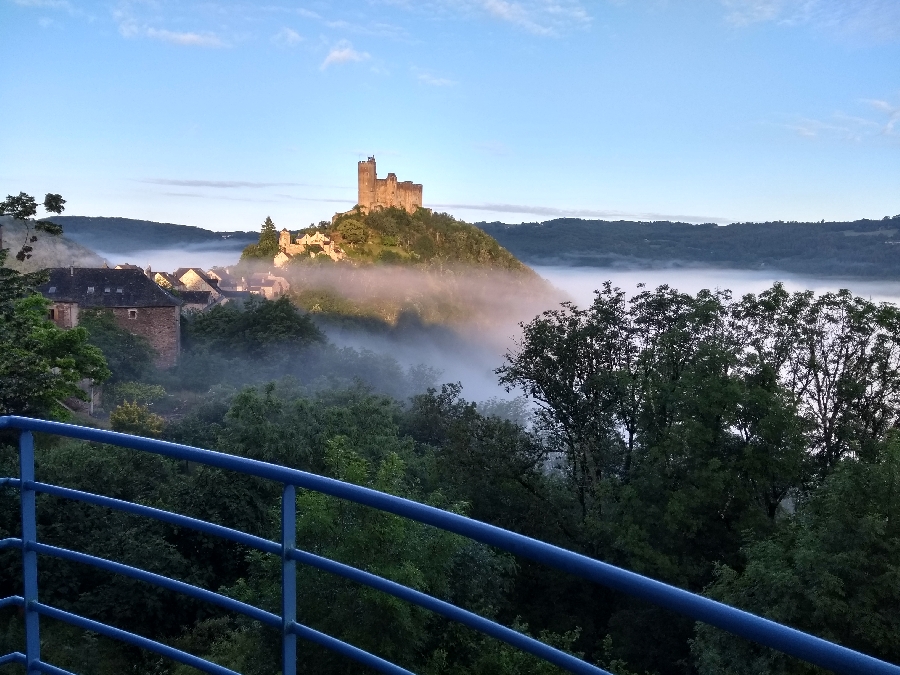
(309, 244)
(376, 193)
(150, 304)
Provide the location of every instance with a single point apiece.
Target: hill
(49, 251)
(124, 236)
(862, 248)
(392, 236)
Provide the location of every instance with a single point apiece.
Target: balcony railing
(749, 626)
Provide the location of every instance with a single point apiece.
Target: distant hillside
(124, 236)
(49, 250)
(394, 237)
(863, 248)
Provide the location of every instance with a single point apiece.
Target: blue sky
(218, 114)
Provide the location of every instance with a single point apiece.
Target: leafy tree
(40, 364)
(253, 329)
(132, 417)
(830, 569)
(130, 357)
(23, 208)
(353, 231)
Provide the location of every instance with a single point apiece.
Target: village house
(267, 285)
(313, 244)
(137, 304)
(195, 279)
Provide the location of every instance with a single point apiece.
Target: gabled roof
(168, 278)
(88, 286)
(181, 271)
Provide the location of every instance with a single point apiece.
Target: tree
(267, 247)
(40, 364)
(831, 570)
(23, 208)
(130, 357)
(353, 231)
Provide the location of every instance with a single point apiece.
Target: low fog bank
(170, 259)
(581, 282)
(460, 321)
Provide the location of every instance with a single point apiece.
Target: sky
(218, 114)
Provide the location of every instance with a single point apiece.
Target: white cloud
(855, 128)
(287, 37)
(427, 78)
(187, 39)
(343, 52)
(878, 19)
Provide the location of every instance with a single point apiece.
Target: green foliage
(130, 357)
(135, 418)
(830, 569)
(40, 364)
(137, 392)
(267, 247)
(352, 231)
(23, 208)
(423, 238)
(255, 328)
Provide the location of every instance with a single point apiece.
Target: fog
(579, 283)
(462, 322)
(170, 259)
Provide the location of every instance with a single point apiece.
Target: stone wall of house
(160, 325)
(64, 314)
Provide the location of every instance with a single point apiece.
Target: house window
(90, 289)
(53, 289)
(120, 289)
(52, 314)
(132, 313)
(107, 289)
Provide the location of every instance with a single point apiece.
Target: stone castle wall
(387, 192)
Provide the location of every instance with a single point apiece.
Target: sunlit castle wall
(377, 192)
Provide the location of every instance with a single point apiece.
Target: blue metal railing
(795, 643)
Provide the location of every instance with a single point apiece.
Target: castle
(375, 193)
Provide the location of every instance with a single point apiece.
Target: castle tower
(366, 184)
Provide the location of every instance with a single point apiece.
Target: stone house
(305, 244)
(138, 305)
(195, 279)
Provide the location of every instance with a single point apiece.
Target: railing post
(29, 557)
(288, 580)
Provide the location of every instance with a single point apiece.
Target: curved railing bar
(465, 617)
(12, 601)
(10, 482)
(251, 540)
(335, 645)
(13, 657)
(132, 639)
(165, 582)
(50, 670)
(10, 542)
(768, 633)
(429, 602)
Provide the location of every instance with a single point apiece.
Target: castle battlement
(376, 193)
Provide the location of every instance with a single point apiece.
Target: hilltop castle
(376, 193)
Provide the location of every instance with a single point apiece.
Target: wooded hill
(124, 236)
(393, 236)
(864, 248)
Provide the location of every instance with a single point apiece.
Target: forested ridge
(742, 448)
(865, 248)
